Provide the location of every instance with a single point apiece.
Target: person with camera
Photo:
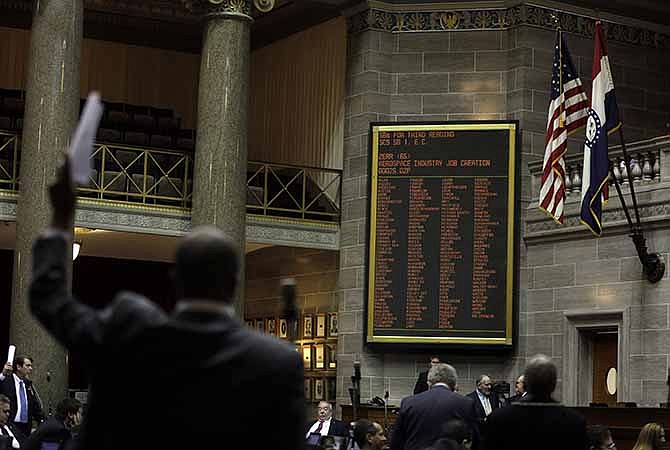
(485, 399)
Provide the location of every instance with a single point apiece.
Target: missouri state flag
(603, 118)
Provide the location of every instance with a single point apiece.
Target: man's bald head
(207, 265)
(540, 377)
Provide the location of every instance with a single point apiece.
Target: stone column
(219, 184)
(51, 111)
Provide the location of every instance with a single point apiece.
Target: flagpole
(653, 263)
(621, 199)
(626, 159)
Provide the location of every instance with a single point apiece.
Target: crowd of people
(438, 417)
(23, 424)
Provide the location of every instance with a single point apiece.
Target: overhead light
(76, 246)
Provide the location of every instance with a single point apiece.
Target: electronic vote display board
(442, 233)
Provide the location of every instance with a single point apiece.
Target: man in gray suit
(422, 416)
(194, 378)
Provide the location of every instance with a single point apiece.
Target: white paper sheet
(82, 141)
(10, 354)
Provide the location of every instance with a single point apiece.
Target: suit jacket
(421, 383)
(17, 434)
(175, 381)
(8, 388)
(51, 430)
(515, 398)
(529, 426)
(337, 428)
(422, 416)
(479, 408)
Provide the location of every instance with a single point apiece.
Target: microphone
(290, 311)
(386, 395)
(357, 370)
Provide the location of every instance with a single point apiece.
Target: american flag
(568, 111)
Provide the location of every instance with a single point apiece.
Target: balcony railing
(160, 178)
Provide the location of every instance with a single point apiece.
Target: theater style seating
(128, 130)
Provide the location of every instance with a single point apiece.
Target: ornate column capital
(234, 9)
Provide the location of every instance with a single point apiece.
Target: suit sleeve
(73, 324)
(398, 437)
(418, 386)
(472, 420)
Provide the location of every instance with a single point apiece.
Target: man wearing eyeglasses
(600, 438)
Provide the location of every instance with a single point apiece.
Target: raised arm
(73, 324)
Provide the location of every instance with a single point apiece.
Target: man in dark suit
(190, 379)
(422, 416)
(57, 428)
(10, 437)
(422, 382)
(538, 421)
(25, 403)
(519, 391)
(326, 424)
(485, 400)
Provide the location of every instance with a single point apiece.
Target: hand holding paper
(10, 354)
(82, 141)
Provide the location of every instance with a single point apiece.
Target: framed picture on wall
(318, 389)
(331, 353)
(307, 356)
(320, 325)
(260, 325)
(283, 328)
(307, 326)
(332, 324)
(272, 326)
(308, 389)
(319, 357)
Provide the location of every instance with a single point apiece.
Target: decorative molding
(259, 229)
(294, 234)
(578, 354)
(240, 9)
(376, 18)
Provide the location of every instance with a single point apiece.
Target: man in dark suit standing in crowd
(326, 424)
(25, 404)
(538, 421)
(422, 382)
(485, 400)
(422, 416)
(519, 391)
(190, 379)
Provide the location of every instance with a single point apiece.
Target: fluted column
(219, 191)
(51, 111)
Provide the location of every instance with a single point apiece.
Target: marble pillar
(219, 191)
(51, 111)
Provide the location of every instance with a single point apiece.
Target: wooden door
(605, 350)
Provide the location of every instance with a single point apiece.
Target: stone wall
(485, 74)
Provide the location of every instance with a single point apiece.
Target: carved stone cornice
(376, 18)
(653, 203)
(240, 9)
(172, 222)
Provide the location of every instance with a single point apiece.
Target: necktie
(487, 405)
(318, 429)
(23, 417)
